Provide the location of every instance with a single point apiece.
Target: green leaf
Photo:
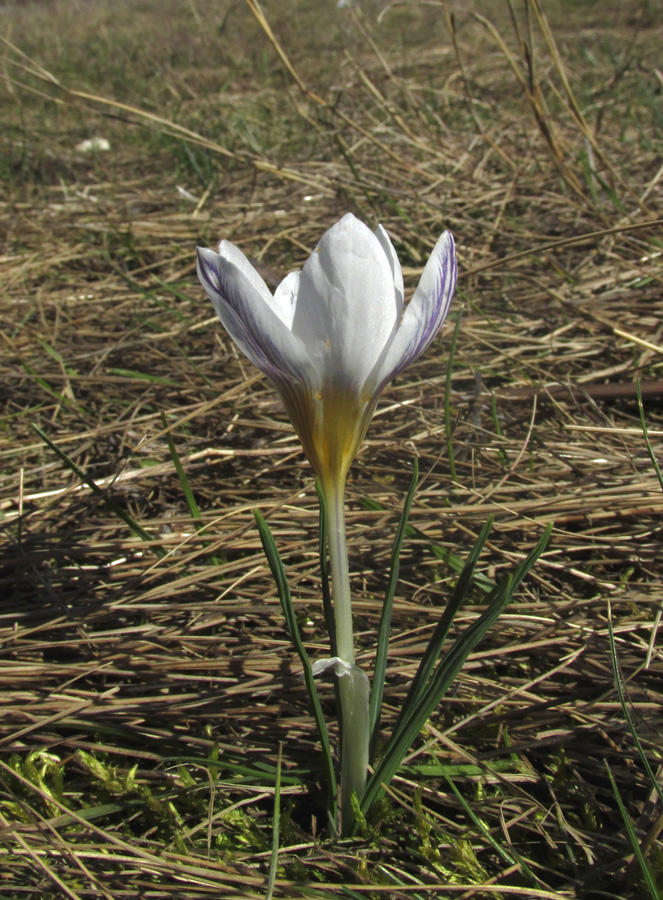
(375, 708)
(415, 718)
(455, 562)
(276, 825)
(54, 354)
(143, 376)
(645, 432)
(58, 396)
(278, 573)
(186, 487)
(510, 856)
(94, 487)
(633, 838)
(504, 459)
(432, 653)
(627, 715)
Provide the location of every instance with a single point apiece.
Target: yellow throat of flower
(331, 425)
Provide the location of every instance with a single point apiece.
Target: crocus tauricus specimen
(330, 338)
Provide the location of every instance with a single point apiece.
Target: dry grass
(516, 134)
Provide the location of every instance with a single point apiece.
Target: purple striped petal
(426, 311)
(253, 325)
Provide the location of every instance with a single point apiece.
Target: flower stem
(352, 682)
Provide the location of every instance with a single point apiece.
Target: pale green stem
(353, 684)
(338, 555)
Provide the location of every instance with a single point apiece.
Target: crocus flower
(333, 335)
(330, 338)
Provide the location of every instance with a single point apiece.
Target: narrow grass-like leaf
(415, 719)
(144, 376)
(181, 474)
(447, 397)
(90, 813)
(375, 707)
(627, 715)
(652, 456)
(94, 487)
(436, 770)
(186, 488)
(54, 354)
(455, 562)
(645, 433)
(612, 194)
(278, 573)
(258, 773)
(510, 856)
(276, 826)
(58, 396)
(434, 648)
(633, 838)
(504, 459)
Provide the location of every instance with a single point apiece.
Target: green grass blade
(375, 707)
(645, 432)
(446, 672)
(181, 474)
(258, 773)
(53, 353)
(447, 397)
(143, 376)
(434, 648)
(415, 719)
(627, 715)
(531, 558)
(186, 488)
(94, 487)
(58, 396)
(278, 573)
(504, 459)
(509, 856)
(652, 457)
(276, 826)
(633, 838)
(453, 560)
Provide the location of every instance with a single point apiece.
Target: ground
(148, 680)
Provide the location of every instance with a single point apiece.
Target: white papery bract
(333, 335)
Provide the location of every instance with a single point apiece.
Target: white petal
(347, 308)
(285, 298)
(251, 321)
(234, 255)
(425, 312)
(396, 271)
